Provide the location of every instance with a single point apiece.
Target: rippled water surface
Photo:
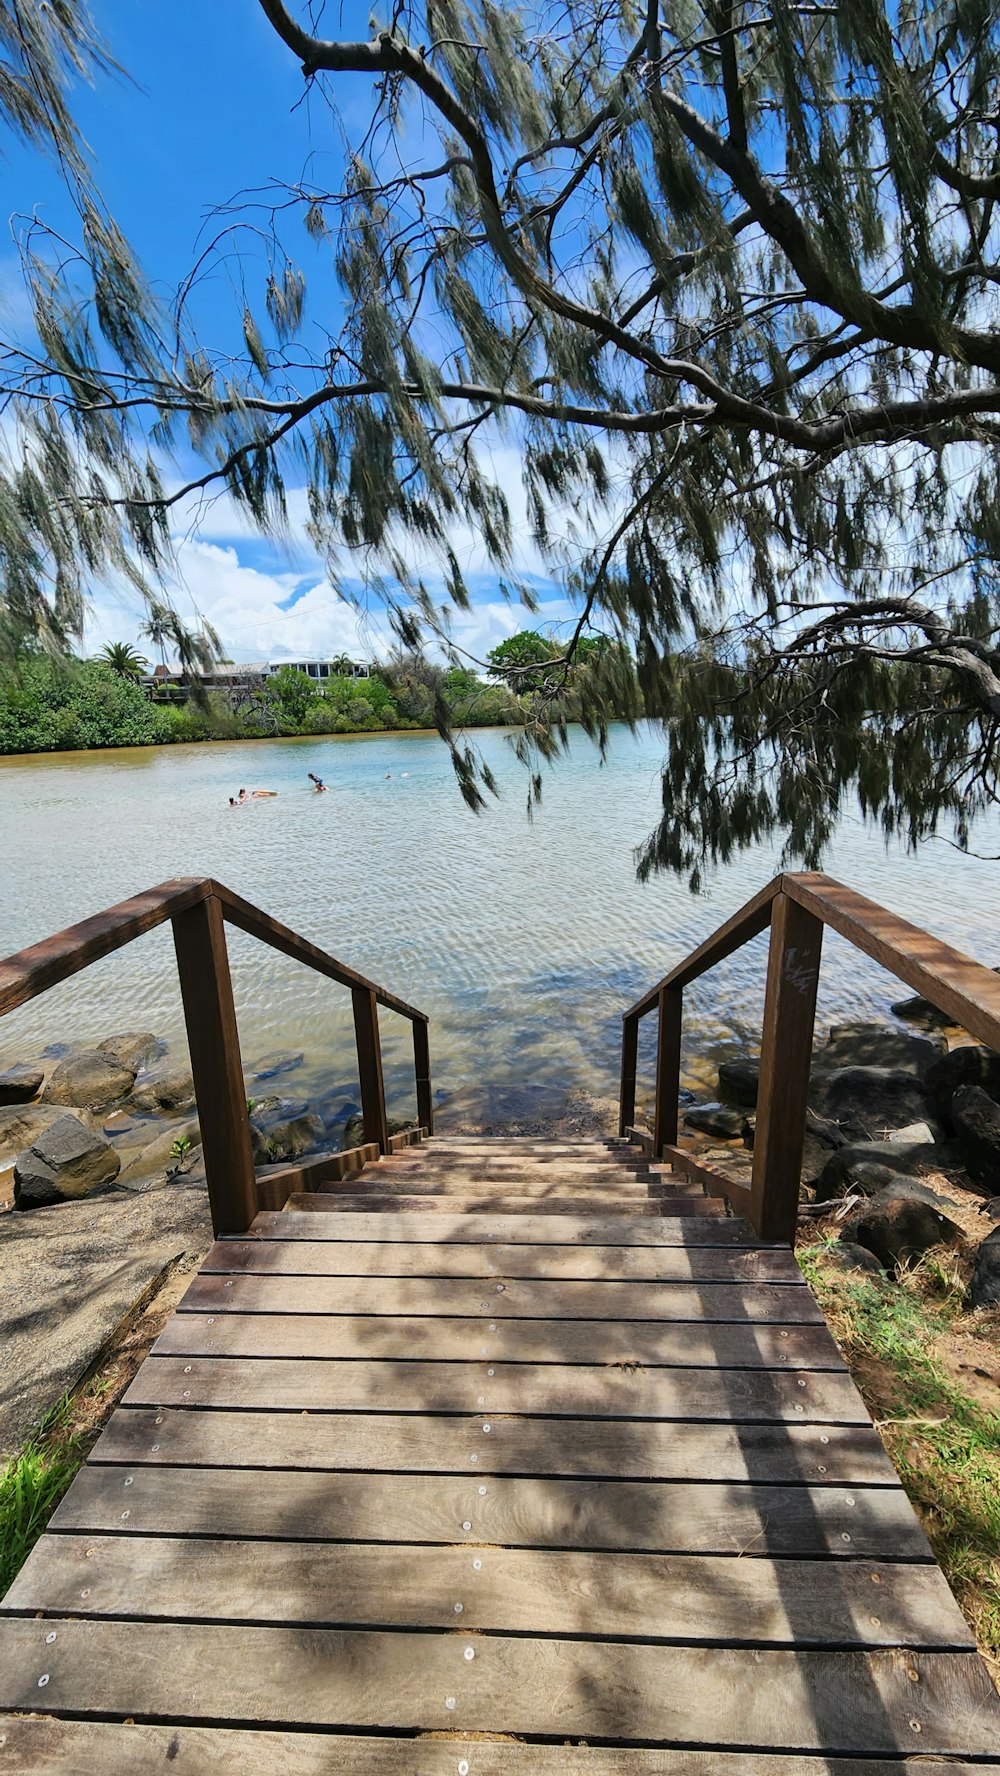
(523, 941)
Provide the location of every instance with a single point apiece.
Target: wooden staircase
(496, 1458)
(508, 1175)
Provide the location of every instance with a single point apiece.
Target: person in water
(242, 796)
(317, 783)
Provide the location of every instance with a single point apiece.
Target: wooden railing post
(216, 1067)
(668, 1069)
(422, 1069)
(786, 1058)
(370, 1067)
(630, 1054)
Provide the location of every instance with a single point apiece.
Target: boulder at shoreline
(88, 1080)
(65, 1161)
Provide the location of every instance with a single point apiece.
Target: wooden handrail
(198, 908)
(797, 907)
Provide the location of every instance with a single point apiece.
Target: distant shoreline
(173, 746)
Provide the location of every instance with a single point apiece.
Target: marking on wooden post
(786, 1058)
(668, 1069)
(216, 1067)
(630, 1052)
(370, 1067)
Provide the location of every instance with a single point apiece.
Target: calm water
(523, 941)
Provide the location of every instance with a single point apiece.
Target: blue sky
(214, 107)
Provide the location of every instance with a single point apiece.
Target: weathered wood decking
(487, 1490)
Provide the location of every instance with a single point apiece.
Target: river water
(524, 941)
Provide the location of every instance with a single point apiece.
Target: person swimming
(317, 783)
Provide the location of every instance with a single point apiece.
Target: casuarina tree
(726, 274)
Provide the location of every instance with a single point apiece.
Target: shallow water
(523, 941)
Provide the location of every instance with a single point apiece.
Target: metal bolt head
(459, 1608)
(470, 1653)
(49, 1638)
(463, 1767)
(473, 1458)
(449, 1701)
(467, 1524)
(43, 1680)
(482, 1492)
(486, 1430)
(477, 1565)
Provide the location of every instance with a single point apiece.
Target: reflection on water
(523, 941)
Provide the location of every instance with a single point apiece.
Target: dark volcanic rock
(272, 1065)
(873, 1045)
(89, 1081)
(902, 1223)
(64, 1162)
(738, 1082)
(976, 1120)
(985, 1288)
(868, 1166)
(715, 1119)
(286, 1133)
(848, 1256)
(866, 1101)
(963, 1066)
(20, 1083)
(920, 1011)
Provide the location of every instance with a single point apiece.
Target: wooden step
(451, 1227)
(411, 1202)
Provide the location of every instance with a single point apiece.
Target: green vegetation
(31, 1485)
(52, 705)
(124, 660)
(944, 1444)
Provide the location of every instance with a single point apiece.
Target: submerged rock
(20, 1083)
(273, 1065)
(88, 1081)
(901, 1223)
(64, 1162)
(286, 1133)
(919, 1010)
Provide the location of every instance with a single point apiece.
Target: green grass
(31, 1485)
(945, 1445)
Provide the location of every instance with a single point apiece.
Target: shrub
(51, 705)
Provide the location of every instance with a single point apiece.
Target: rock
(976, 1120)
(874, 1045)
(19, 1126)
(165, 1088)
(984, 1290)
(847, 1256)
(135, 1049)
(865, 1178)
(20, 1083)
(963, 1066)
(77, 1271)
(88, 1080)
(991, 1208)
(715, 1119)
(861, 1160)
(354, 1131)
(65, 1161)
(829, 1134)
(920, 1011)
(866, 1101)
(901, 1223)
(814, 1154)
(916, 1134)
(738, 1082)
(157, 1160)
(275, 1064)
(287, 1137)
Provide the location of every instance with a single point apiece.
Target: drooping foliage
(725, 273)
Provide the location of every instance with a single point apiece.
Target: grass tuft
(31, 1485)
(945, 1445)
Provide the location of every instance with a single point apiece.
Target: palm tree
(159, 628)
(123, 659)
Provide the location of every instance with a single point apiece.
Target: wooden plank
(779, 1303)
(668, 1066)
(656, 1597)
(283, 1384)
(214, 1047)
(422, 1075)
(785, 1062)
(626, 1089)
(500, 1203)
(681, 1345)
(385, 1178)
(42, 965)
(334, 1223)
(492, 1259)
(856, 1702)
(365, 1004)
(583, 1448)
(46, 1746)
(667, 1517)
(276, 1183)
